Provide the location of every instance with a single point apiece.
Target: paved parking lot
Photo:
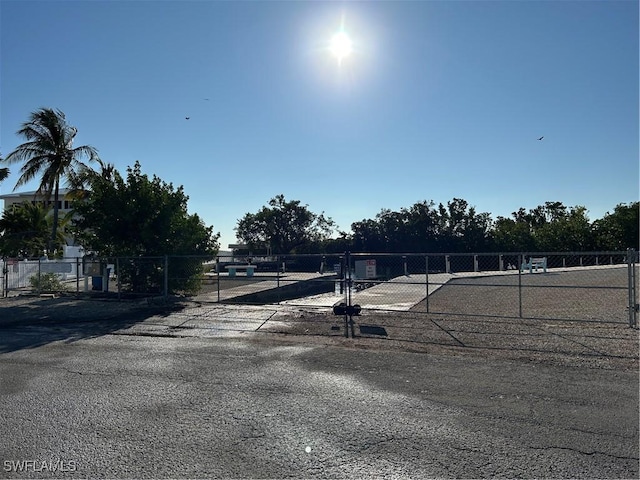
(125, 395)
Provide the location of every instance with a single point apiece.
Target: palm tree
(4, 172)
(49, 154)
(82, 179)
(25, 228)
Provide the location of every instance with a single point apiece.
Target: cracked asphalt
(113, 404)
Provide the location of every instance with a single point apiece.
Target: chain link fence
(593, 286)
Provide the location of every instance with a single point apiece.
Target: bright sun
(340, 45)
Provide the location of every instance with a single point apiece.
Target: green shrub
(46, 282)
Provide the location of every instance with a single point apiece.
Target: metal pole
(634, 296)
(631, 287)
(427, 280)
(343, 287)
(77, 275)
(218, 277)
(166, 277)
(520, 285)
(118, 276)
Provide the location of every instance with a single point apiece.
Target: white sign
(365, 269)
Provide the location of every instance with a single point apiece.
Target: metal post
(631, 273)
(118, 276)
(278, 275)
(500, 263)
(166, 277)
(349, 292)
(218, 277)
(427, 280)
(447, 264)
(343, 289)
(475, 263)
(520, 286)
(77, 275)
(404, 262)
(39, 276)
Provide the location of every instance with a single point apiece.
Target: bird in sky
(187, 118)
(541, 138)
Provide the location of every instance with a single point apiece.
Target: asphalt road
(127, 406)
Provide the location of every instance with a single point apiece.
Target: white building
(64, 202)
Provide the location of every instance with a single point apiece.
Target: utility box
(94, 268)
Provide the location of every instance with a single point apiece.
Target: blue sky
(438, 100)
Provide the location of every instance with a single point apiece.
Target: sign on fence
(55, 267)
(365, 269)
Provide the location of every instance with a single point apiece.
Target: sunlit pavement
(138, 406)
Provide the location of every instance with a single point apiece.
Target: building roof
(34, 193)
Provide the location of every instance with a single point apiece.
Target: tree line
(134, 215)
(454, 227)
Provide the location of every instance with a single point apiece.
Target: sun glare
(340, 46)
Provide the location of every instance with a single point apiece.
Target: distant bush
(46, 282)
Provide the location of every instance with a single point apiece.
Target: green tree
(4, 172)
(424, 228)
(511, 235)
(25, 230)
(284, 227)
(49, 154)
(619, 230)
(141, 216)
(565, 230)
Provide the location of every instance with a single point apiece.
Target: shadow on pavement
(29, 322)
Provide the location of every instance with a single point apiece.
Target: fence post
(475, 263)
(218, 277)
(278, 258)
(521, 261)
(349, 292)
(77, 275)
(166, 277)
(404, 262)
(447, 264)
(500, 263)
(427, 280)
(118, 277)
(38, 289)
(631, 273)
